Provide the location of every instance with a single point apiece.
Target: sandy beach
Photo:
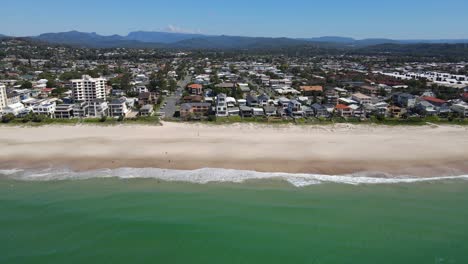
(340, 149)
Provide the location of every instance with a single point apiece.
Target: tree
(125, 82)
(172, 85)
(58, 92)
(26, 85)
(66, 76)
(8, 118)
(51, 83)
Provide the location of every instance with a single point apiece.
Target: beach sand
(340, 149)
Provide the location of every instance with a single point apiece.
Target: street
(170, 103)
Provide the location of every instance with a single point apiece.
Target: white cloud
(177, 29)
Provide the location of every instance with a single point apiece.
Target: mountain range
(147, 39)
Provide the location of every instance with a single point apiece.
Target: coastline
(426, 151)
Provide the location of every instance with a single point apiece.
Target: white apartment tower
(3, 97)
(88, 89)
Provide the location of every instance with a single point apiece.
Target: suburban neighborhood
(125, 84)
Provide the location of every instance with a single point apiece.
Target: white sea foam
(203, 176)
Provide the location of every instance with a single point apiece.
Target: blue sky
(399, 19)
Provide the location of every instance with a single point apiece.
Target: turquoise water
(149, 221)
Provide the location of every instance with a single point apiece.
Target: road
(171, 101)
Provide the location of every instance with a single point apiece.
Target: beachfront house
(64, 111)
(344, 110)
(221, 105)
(319, 110)
(118, 107)
(252, 101)
(146, 110)
(245, 111)
(295, 109)
(195, 110)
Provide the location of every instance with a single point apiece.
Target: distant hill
(145, 39)
(93, 40)
(235, 42)
(161, 37)
(423, 50)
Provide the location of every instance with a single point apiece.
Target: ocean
(129, 216)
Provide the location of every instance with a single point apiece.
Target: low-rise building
(146, 110)
(361, 98)
(147, 98)
(461, 109)
(3, 97)
(221, 105)
(98, 108)
(194, 109)
(17, 109)
(118, 107)
(311, 90)
(344, 110)
(81, 110)
(195, 89)
(64, 111)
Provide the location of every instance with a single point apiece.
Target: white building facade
(88, 89)
(3, 97)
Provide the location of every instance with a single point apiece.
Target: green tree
(26, 85)
(172, 85)
(8, 118)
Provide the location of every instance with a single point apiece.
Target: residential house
(45, 108)
(81, 110)
(98, 108)
(64, 111)
(320, 110)
(263, 100)
(465, 97)
(395, 111)
(311, 90)
(233, 111)
(283, 102)
(13, 98)
(230, 86)
(17, 109)
(146, 98)
(426, 108)
(146, 110)
(295, 109)
(270, 110)
(461, 109)
(140, 89)
(221, 105)
(195, 89)
(344, 110)
(404, 100)
(3, 97)
(257, 112)
(242, 102)
(231, 102)
(245, 111)
(194, 109)
(362, 99)
(369, 90)
(332, 96)
(118, 107)
(252, 101)
(434, 101)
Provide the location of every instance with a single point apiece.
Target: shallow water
(116, 220)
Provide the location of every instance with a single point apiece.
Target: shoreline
(330, 150)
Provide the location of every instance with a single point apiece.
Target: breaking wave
(208, 175)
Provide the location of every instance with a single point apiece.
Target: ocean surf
(211, 175)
